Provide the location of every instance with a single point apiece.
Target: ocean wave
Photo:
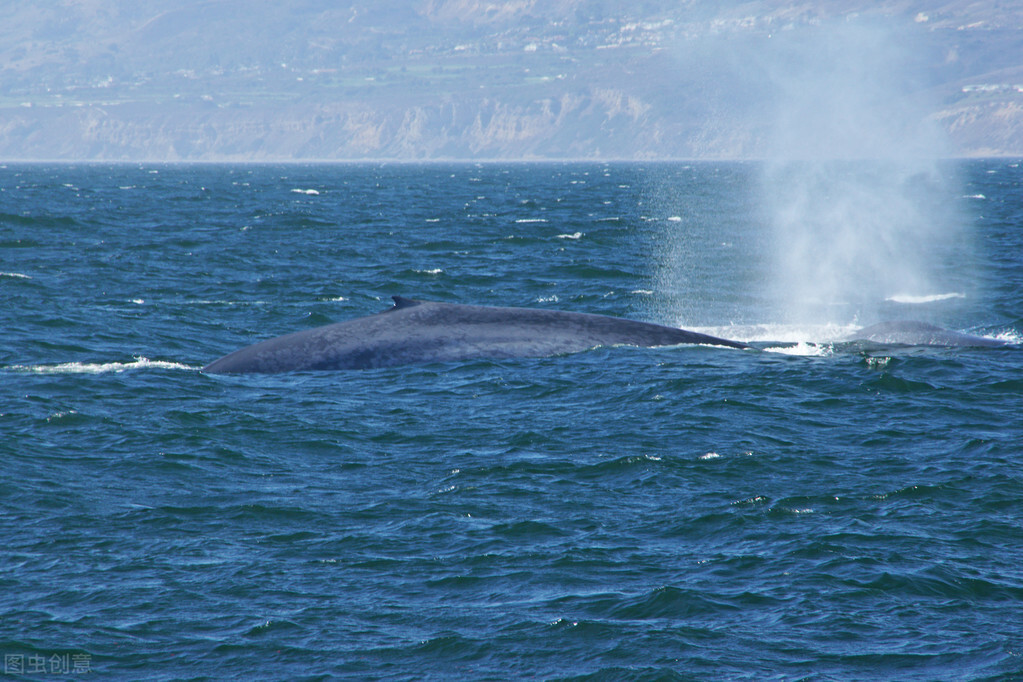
(789, 337)
(927, 298)
(804, 349)
(1009, 336)
(99, 367)
(203, 301)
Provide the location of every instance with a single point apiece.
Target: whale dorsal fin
(402, 302)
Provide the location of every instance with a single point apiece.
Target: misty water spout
(851, 188)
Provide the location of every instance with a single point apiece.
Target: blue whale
(910, 333)
(423, 331)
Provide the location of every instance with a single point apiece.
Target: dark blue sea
(809, 510)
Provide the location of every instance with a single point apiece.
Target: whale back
(912, 333)
(415, 331)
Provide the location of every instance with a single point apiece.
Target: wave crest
(99, 367)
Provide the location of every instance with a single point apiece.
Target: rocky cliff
(461, 79)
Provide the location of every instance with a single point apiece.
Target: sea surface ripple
(676, 513)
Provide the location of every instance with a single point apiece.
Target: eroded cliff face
(602, 124)
(985, 128)
(605, 124)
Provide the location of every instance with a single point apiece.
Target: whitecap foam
(913, 299)
(804, 349)
(1009, 336)
(809, 340)
(785, 339)
(785, 335)
(15, 275)
(434, 271)
(523, 221)
(310, 192)
(99, 367)
(223, 302)
(574, 235)
(878, 362)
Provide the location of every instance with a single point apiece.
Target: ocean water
(810, 510)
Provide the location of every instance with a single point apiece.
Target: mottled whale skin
(909, 333)
(423, 331)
